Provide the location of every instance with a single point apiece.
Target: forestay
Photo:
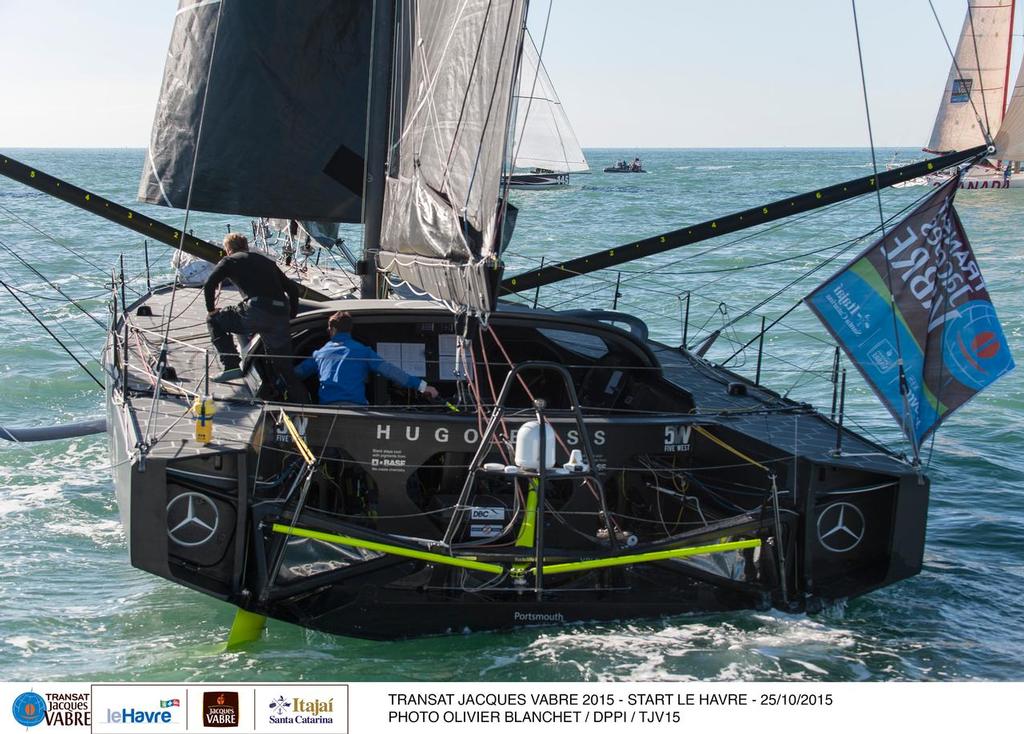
(544, 137)
(1010, 139)
(284, 126)
(977, 82)
(442, 218)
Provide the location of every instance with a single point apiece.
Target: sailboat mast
(1006, 76)
(378, 115)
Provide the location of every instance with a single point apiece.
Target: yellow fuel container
(203, 409)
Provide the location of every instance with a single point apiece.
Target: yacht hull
(368, 542)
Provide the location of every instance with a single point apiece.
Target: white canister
(528, 439)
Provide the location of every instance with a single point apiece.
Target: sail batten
(976, 85)
(278, 117)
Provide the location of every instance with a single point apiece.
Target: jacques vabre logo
(55, 709)
(220, 708)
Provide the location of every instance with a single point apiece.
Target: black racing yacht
(575, 468)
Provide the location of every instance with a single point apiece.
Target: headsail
(1010, 139)
(544, 137)
(442, 216)
(914, 315)
(284, 125)
(978, 78)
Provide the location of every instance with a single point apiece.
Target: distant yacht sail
(978, 78)
(974, 99)
(544, 142)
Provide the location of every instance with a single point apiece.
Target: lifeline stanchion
(839, 425)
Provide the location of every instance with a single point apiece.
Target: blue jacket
(344, 364)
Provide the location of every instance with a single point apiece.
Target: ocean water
(72, 608)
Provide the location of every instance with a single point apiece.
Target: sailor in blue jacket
(344, 364)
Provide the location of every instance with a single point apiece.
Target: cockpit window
(577, 342)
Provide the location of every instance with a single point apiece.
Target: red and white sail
(976, 88)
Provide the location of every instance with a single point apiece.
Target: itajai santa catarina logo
(29, 709)
(301, 711)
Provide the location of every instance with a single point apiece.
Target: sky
(637, 74)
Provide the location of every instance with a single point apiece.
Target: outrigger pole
(733, 222)
(133, 220)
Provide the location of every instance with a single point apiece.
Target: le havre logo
(164, 713)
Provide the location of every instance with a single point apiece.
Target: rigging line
(981, 79)
(533, 86)
(808, 371)
(195, 152)
(763, 263)
(490, 106)
(53, 285)
(55, 337)
(743, 238)
(469, 84)
(40, 297)
(849, 244)
(54, 240)
(427, 105)
(960, 74)
(513, 112)
(60, 323)
(904, 390)
(610, 283)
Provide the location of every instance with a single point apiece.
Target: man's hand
(431, 392)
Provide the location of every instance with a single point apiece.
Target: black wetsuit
(271, 298)
(256, 277)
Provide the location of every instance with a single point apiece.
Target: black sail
(284, 126)
(442, 214)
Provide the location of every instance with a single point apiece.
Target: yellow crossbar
(628, 560)
(394, 550)
(300, 444)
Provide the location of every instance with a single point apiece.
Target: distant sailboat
(975, 97)
(544, 147)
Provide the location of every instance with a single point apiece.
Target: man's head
(235, 242)
(340, 323)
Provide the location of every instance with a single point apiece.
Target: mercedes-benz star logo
(192, 519)
(841, 527)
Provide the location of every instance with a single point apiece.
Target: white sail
(544, 137)
(1010, 140)
(976, 87)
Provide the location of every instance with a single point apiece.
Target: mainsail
(544, 137)
(442, 216)
(275, 126)
(978, 79)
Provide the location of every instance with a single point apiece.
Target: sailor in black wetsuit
(271, 299)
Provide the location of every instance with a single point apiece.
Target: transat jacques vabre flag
(917, 293)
